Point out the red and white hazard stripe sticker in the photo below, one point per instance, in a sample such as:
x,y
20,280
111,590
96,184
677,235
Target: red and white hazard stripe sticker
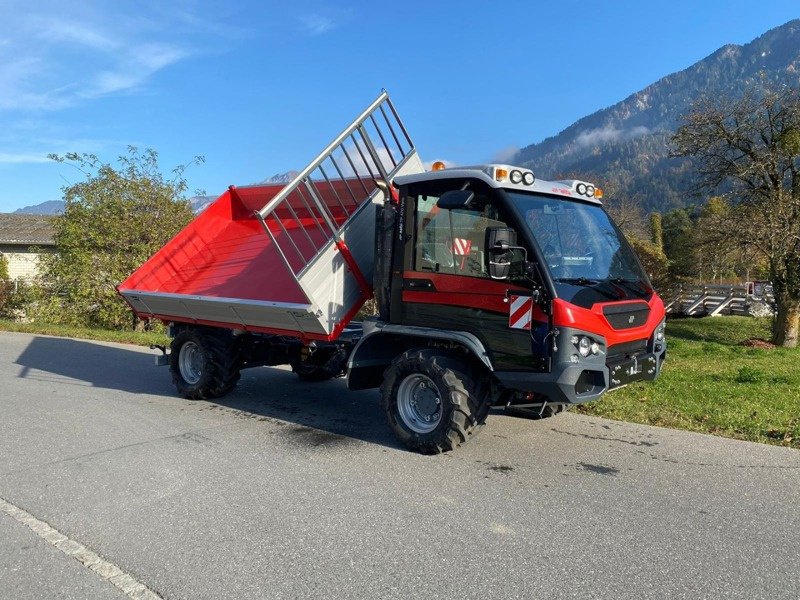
x,y
520,312
461,246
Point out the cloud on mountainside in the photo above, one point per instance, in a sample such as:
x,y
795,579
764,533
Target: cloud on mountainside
x,y
505,155
609,134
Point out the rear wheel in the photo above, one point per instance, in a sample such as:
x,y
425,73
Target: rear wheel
x,y
204,365
433,402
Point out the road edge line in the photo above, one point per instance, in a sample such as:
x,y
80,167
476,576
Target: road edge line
x,y
91,560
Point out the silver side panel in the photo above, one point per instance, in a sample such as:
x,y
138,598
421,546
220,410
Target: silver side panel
x,y
234,311
327,281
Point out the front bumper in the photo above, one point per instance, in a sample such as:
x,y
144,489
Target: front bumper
x,y
638,367
589,378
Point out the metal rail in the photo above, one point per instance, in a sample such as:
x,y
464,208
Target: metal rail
x,y
310,212
716,300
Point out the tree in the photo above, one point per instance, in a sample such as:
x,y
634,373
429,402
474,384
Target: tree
x,y
679,242
657,231
112,222
713,247
6,286
750,149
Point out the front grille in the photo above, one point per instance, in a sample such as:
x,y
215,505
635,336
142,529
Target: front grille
x,y
626,316
634,347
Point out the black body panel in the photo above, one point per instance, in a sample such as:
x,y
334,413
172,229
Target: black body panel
x,y
510,349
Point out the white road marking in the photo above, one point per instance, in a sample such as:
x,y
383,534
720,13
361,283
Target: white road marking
x,y
92,561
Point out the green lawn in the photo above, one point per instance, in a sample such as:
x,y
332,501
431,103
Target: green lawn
x,y
711,383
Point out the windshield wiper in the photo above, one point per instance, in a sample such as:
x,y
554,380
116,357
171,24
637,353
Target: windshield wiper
x,y
635,284
577,280
598,285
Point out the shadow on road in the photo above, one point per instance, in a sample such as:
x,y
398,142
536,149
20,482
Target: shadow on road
x,y
76,362
328,406
263,393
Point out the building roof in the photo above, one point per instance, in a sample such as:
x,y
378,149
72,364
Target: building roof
x,y
31,230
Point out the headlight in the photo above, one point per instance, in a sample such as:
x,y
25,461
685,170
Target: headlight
x,y
659,333
516,176
585,345
529,178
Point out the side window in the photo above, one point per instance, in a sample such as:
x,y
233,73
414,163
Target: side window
x,y
451,241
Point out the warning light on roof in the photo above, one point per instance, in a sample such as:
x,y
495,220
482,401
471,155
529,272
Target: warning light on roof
x,y
437,166
500,174
598,193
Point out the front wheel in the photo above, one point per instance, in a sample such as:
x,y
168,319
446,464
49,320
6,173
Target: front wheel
x,y
433,402
204,365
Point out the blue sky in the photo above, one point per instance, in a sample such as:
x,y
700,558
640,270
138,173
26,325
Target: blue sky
x,y
259,87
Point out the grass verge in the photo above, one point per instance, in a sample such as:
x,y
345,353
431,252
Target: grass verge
x,y
141,338
713,384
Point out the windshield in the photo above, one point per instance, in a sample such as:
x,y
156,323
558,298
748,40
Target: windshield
x,y
578,241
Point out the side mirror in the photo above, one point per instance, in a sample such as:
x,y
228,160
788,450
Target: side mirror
x,y
455,199
500,243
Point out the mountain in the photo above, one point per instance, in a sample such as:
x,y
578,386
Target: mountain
x,y
51,207
199,203
627,145
281,177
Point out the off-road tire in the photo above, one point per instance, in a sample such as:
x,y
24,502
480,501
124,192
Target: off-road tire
x,y
463,393
219,370
535,414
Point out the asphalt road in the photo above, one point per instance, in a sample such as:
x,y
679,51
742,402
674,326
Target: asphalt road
x,y
292,490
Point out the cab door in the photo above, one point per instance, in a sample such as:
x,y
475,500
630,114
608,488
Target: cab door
x,y
446,283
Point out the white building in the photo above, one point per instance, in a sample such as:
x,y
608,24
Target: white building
x,y
23,239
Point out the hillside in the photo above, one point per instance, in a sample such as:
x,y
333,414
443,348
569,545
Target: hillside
x,y
626,146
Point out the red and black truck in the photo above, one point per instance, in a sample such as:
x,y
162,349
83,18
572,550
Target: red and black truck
x,y
493,288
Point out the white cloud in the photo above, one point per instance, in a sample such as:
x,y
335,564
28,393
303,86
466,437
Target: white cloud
x,y
134,69
317,24
55,31
52,59
609,134
7,158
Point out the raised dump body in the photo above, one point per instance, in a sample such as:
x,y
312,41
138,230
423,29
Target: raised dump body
x,y
295,259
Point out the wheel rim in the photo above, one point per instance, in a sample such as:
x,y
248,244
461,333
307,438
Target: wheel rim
x,y
419,403
190,362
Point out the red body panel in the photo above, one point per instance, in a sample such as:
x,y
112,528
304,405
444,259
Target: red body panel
x,y
593,320
471,292
223,253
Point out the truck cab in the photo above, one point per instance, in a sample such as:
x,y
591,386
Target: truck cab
x,y
534,273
